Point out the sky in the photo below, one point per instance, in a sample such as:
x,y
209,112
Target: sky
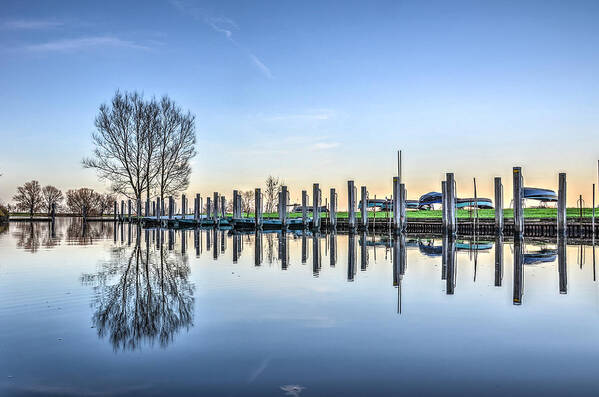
x,y
312,91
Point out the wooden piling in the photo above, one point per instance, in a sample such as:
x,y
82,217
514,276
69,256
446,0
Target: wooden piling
x,y
258,207
171,207
208,208
364,207
304,208
235,205
593,219
223,207
333,208
115,214
183,205
561,205
215,208
122,216
129,210
138,210
498,205
518,197
351,206
450,187
444,204
316,200
402,207
283,201
158,208
396,209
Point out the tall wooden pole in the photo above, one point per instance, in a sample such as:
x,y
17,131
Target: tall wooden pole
x,y
561,205
333,208
518,211
498,205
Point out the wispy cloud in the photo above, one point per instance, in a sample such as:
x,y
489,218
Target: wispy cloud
x,y
30,24
325,145
82,43
322,114
225,26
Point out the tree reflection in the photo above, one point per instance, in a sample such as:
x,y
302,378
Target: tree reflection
x,y
142,295
27,236
85,233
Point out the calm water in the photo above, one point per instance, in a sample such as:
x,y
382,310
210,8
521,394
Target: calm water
x,y
117,311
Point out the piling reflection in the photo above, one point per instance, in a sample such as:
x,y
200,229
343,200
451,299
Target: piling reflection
x,y
332,248
316,254
498,259
518,272
142,295
449,254
562,265
351,256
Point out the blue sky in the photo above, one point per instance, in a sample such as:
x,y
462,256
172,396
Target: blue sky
x,y
312,91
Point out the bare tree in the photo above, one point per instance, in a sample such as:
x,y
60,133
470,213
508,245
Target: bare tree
x,y
272,189
247,201
84,197
120,155
29,197
176,147
106,203
51,195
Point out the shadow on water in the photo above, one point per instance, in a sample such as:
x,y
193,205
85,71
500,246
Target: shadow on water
x,y
143,293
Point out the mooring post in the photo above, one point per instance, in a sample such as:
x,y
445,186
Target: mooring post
x,y
498,205
316,206
215,208
158,208
518,211
258,207
196,207
562,225
115,214
351,206
154,208
235,208
304,208
396,210
333,209
364,207
183,206
208,208
403,224
223,207
138,210
444,205
122,215
171,207
129,210
450,187
283,200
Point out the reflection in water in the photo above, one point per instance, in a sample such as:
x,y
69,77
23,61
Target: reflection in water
x,y
333,248
449,253
283,250
498,259
562,265
258,248
316,254
363,251
518,273
141,295
351,256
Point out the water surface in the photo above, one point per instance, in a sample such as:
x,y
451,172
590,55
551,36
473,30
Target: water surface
x,y
108,310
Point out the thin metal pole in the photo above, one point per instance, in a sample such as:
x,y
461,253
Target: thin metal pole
x,y
593,220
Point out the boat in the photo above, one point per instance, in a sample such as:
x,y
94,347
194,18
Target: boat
x,y
535,193
541,256
480,203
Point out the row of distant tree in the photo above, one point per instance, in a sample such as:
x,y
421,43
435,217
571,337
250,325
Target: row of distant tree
x,y
32,198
